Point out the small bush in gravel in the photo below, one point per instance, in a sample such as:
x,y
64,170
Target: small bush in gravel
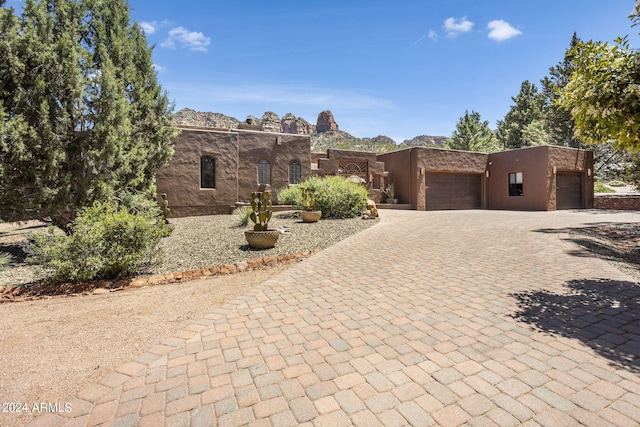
x,y
334,196
107,242
242,215
5,260
616,183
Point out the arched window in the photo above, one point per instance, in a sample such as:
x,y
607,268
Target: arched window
x,y
207,172
264,172
294,172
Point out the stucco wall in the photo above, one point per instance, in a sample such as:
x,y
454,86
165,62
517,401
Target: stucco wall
x,y
537,184
279,149
574,160
181,178
397,163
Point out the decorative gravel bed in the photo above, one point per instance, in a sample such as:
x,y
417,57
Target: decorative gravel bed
x,y
202,241
206,241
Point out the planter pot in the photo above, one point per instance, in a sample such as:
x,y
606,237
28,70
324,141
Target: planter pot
x,y
392,201
262,239
310,216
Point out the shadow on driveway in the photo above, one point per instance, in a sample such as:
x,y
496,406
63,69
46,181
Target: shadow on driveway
x,y
604,314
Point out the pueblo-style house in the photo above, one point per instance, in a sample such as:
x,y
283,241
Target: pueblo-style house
x,y
213,169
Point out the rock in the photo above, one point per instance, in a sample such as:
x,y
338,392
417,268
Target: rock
x,y
188,117
326,122
296,125
270,122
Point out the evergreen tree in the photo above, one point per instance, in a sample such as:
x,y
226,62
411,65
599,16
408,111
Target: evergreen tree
x,y
527,108
559,123
82,114
472,134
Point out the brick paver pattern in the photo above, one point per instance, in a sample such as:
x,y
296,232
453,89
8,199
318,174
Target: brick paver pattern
x,y
427,318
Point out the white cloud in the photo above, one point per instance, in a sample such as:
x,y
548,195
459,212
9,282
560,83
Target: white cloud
x,y
184,38
433,35
501,30
149,27
159,68
453,27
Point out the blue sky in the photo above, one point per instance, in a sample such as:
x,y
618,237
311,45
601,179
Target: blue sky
x,y
401,69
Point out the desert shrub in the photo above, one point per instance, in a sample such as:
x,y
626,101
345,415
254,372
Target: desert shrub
x,y
242,215
5,260
289,195
334,195
616,183
107,242
599,187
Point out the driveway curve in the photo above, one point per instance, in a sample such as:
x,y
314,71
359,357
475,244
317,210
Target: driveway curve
x,y
427,318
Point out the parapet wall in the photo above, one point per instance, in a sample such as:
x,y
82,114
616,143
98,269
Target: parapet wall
x,y
620,203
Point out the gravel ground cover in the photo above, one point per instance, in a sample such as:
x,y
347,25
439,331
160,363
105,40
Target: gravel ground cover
x,y
206,241
197,242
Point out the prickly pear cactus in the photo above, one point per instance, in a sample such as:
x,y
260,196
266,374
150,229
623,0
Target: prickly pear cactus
x,y
261,210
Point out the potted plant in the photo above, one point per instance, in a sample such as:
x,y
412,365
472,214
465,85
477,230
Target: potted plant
x,y
261,237
308,202
390,192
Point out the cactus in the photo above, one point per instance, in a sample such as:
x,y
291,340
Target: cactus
x,y
308,198
261,210
165,208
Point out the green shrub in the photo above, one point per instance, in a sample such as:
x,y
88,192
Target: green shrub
x,y
599,187
242,215
616,183
334,196
107,242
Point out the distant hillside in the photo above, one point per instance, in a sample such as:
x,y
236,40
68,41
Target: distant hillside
x,y
325,134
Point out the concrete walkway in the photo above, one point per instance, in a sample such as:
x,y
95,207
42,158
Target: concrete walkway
x,y
428,318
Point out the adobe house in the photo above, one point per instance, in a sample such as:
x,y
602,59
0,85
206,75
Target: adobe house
x,y
533,178
212,169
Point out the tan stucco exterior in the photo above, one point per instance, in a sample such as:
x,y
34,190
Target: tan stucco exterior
x,y
424,178
236,153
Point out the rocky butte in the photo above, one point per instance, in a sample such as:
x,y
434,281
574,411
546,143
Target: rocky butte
x,y
324,134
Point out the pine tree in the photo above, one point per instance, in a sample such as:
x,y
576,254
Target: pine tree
x,y
527,108
83,116
472,134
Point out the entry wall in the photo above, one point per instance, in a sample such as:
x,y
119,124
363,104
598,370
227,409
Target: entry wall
x,y
400,168
181,179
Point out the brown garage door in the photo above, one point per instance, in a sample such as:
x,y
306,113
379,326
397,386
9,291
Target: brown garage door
x,y
569,191
453,191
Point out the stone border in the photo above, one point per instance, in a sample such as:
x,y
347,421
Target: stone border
x,y
12,293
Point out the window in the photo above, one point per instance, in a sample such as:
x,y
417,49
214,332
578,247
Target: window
x,y
294,172
515,184
207,172
264,172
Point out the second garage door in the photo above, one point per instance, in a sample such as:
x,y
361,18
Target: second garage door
x,y
569,191
453,191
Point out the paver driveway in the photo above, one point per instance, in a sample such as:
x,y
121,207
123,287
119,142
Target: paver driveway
x,y
428,318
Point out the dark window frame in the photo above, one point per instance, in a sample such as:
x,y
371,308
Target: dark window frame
x,y
515,184
264,176
295,175
207,177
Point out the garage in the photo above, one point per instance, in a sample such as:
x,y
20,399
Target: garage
x,y
569,191
453,191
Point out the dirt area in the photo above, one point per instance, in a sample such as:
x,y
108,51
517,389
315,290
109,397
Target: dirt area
x,y
51,348
619,244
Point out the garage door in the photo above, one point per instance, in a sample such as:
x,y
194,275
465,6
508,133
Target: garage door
x,y
569,191
453,191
